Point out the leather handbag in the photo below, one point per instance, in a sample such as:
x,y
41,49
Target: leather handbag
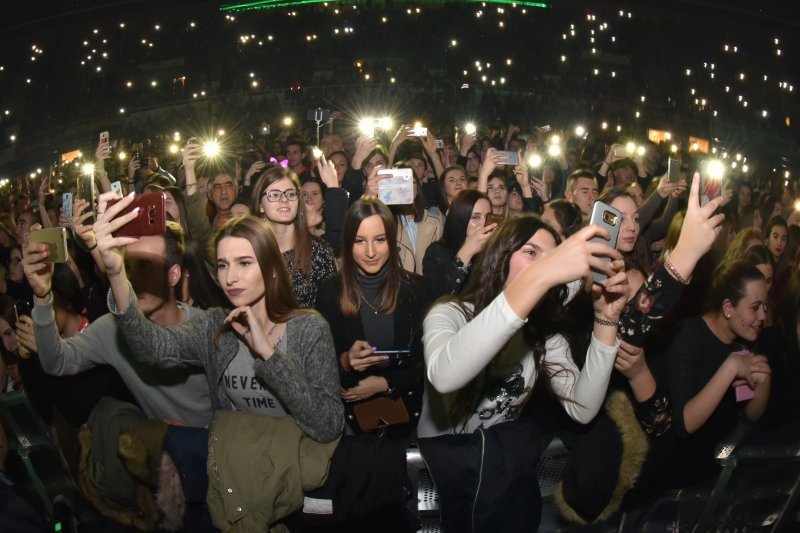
x,y
379,412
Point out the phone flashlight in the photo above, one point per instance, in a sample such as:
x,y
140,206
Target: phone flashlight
x,y
317,152
630,147
535,160
469,128
211,148
554,150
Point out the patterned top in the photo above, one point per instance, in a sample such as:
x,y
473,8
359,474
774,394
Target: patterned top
x,y
323,266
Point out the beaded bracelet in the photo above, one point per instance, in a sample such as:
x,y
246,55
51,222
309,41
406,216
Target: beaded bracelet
x,y
675,274
604,322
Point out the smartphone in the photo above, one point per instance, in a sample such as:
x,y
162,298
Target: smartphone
x,y
22,308
117,188
440,144
493,218
419,132
609,218
397,358
744,392
103,137
508,157
86,191
674,169
66,201
543,129
397,188
152,219
711,180
56,241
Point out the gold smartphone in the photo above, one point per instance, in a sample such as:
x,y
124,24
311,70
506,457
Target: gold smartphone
x,y
56,240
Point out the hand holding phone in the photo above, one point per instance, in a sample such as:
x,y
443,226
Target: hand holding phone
x,y
610,219
674,169
396,186
395,358
56,241
493,218
151,220
507,157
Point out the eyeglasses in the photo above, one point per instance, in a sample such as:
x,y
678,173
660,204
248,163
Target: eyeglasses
x,y
275,195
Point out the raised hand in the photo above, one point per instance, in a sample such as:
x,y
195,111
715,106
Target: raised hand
x,y
700,229
38,272
84,231
327,172
364,145
112,249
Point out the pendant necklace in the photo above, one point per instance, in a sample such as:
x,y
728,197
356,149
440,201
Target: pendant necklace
x,y
368,304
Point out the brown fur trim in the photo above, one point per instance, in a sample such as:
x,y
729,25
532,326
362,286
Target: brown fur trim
x,y
634,451
170,498
145,518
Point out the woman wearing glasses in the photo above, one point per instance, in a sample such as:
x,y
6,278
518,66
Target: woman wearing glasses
x,y
308,259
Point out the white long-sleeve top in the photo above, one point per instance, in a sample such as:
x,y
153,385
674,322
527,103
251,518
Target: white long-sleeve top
x,y
457,350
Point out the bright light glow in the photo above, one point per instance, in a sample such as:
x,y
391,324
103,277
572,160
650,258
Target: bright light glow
x,y
287,121
579,131
211,148
385,123
555,139
176,136
88,169
604,125
316,152
640,150
630,147
715,169
122,156
367,126
745,168
674,148
554,150
535,161
469,128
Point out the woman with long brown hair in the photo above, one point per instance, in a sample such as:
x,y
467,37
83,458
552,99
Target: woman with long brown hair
x,y
265,356
309,260
372,305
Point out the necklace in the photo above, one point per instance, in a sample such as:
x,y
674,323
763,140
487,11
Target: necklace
x,y
368,304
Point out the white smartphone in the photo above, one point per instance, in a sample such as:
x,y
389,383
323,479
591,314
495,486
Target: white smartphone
x,y
397,188
103,137
440,144
117,188
66,201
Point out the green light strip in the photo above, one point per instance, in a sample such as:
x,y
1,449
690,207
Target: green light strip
x,y
270,4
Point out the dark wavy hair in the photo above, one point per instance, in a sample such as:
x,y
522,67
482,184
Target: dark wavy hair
x,y
455,231
487,282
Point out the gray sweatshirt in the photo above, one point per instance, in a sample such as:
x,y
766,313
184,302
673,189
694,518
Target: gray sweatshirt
x,y
304,376
180,393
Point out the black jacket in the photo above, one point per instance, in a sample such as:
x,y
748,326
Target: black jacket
x,y
439,266
406,381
